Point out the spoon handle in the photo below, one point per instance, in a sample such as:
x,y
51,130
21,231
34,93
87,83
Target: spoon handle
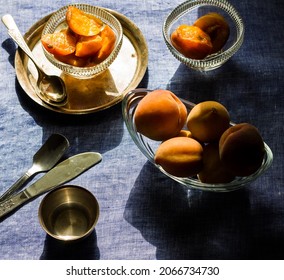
x,y
16,35
16,186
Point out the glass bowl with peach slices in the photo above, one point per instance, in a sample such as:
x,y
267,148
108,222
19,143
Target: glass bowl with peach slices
x,y
221,160
203,34
82,40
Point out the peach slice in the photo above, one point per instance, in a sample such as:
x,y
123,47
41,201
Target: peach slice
x,y
59,43
88,45
108,43
83,23
191,41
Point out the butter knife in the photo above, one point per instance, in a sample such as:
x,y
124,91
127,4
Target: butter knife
x,y
60,174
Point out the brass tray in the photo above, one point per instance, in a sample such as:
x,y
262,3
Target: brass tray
x,y
88,95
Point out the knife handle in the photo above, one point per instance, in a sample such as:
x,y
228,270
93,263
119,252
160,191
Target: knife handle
x,y
12,203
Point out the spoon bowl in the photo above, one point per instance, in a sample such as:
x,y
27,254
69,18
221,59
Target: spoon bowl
x,y
50,89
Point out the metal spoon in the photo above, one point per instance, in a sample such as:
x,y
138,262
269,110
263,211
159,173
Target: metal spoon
x,y
50,89
43,160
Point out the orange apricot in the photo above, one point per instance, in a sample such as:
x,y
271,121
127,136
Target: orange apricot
x,y
108,43
88,45
59,43
180,156
160,115
241,149
191,41
83,23
208,120
214,171
216,27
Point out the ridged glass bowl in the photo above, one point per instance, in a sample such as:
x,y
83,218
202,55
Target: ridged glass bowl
x,y
187,13
58,21
148,148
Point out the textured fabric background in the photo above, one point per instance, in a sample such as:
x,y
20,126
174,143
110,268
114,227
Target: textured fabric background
x,y
145,215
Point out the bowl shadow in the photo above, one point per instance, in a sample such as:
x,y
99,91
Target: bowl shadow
x,y
191,224
86,249
9,46
198,86
100,131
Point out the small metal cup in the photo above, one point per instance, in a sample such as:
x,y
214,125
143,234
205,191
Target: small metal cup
x,y
69,213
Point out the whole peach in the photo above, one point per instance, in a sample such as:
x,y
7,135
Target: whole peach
x,y
207,121
160,115
180,156
214,171
216,27
242,149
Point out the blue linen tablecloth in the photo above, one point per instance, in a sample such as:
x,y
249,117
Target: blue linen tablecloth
x,y
143,214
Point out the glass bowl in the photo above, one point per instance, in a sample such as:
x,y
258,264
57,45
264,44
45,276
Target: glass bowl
x,y
58,21
148,148
187,13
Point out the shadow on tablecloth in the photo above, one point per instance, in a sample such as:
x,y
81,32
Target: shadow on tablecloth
x,y
99,132
185,224
85,249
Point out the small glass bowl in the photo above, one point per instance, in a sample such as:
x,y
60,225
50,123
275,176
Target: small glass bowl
x,y
148,148
58,21
187,13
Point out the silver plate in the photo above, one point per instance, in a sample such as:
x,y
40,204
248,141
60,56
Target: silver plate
x,y
88,95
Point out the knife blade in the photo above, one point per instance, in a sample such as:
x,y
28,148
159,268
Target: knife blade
x,y
60,174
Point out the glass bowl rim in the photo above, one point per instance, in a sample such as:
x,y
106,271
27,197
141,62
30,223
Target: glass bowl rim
x,y
135,96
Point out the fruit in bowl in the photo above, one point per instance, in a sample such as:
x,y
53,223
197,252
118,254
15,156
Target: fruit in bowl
x,y
82,40
180,156
207,121
203,144
214,171
82,23
85,42
212,175
206,36
216,26
242,149
218,20
160,115
191,41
